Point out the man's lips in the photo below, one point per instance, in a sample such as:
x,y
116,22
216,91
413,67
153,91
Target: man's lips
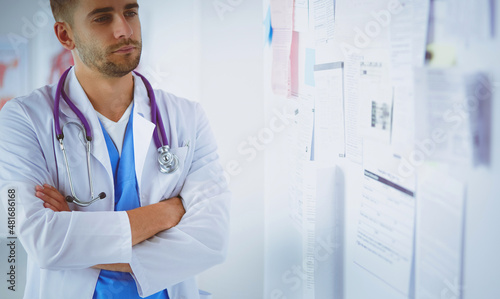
x,y
125,49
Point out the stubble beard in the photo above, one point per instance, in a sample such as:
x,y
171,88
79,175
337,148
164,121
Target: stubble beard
x,y
97,58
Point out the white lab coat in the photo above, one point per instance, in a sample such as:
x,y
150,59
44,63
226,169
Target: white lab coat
x,y
63,246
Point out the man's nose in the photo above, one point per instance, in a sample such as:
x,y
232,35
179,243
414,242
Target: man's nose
x,y
122,28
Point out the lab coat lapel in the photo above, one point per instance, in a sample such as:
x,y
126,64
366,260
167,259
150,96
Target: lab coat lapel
x,y
143,133
78,96
143,127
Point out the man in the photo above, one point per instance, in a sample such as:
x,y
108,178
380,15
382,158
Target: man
x,y
153,231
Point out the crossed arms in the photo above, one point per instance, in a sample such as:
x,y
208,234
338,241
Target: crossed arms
x,y
145,222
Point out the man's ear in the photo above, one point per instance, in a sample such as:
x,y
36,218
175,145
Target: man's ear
x,y
64,35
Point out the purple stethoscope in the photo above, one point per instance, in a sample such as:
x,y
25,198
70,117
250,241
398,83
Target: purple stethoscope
x,y
167,161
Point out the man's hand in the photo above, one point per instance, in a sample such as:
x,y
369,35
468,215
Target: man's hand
x,y
175,210
52,198
147,221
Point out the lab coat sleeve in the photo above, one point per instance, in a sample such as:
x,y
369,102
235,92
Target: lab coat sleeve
x,y
62,240
200,240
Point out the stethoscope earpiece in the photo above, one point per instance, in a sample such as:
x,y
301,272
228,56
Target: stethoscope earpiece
x,y
168,162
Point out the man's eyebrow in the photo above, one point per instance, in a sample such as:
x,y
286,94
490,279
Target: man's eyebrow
x,y
132,5
99,10
109,9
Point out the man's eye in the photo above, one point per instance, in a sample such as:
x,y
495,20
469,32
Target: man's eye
x,y
101,19
131,14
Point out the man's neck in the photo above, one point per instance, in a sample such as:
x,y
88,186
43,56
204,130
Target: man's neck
x,y
109,96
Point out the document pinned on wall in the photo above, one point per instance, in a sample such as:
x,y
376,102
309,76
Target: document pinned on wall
x,y
377,98
443,124
268,27
324,21
302,192
302,187
439,234
294,76
309,228
301,16
354,140
385,232
329,126
321,191
401,41
300,140
282,22
408,33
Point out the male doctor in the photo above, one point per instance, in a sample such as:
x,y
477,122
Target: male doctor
x,y
154,231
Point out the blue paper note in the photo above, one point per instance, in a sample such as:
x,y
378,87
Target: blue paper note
x,y
268,28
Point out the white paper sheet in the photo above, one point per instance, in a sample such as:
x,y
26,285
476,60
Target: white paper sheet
x,y
309,228
329,127
408,32
386,221
301,16
384,241
442,129
439,235
354,141
376,98
324,21
282,22
321,230
300,140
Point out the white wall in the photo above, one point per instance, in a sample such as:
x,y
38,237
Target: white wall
x,y
216,57
232,94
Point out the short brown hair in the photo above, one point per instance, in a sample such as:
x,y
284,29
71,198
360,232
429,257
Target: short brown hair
x,y
63,10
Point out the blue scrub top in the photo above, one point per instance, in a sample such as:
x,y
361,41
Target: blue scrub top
x,y
119,284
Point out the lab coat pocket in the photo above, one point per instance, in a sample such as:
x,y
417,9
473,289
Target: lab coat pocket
x,y
170,184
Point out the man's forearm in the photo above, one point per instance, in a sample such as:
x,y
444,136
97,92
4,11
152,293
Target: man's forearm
x,y
145,222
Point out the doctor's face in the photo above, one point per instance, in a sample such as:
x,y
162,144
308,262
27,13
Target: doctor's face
x,y
107,35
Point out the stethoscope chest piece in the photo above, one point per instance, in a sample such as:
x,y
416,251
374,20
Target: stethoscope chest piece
x,y
168,162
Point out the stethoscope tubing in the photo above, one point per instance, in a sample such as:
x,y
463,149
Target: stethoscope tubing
x,y
155,114
168,162
60,92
